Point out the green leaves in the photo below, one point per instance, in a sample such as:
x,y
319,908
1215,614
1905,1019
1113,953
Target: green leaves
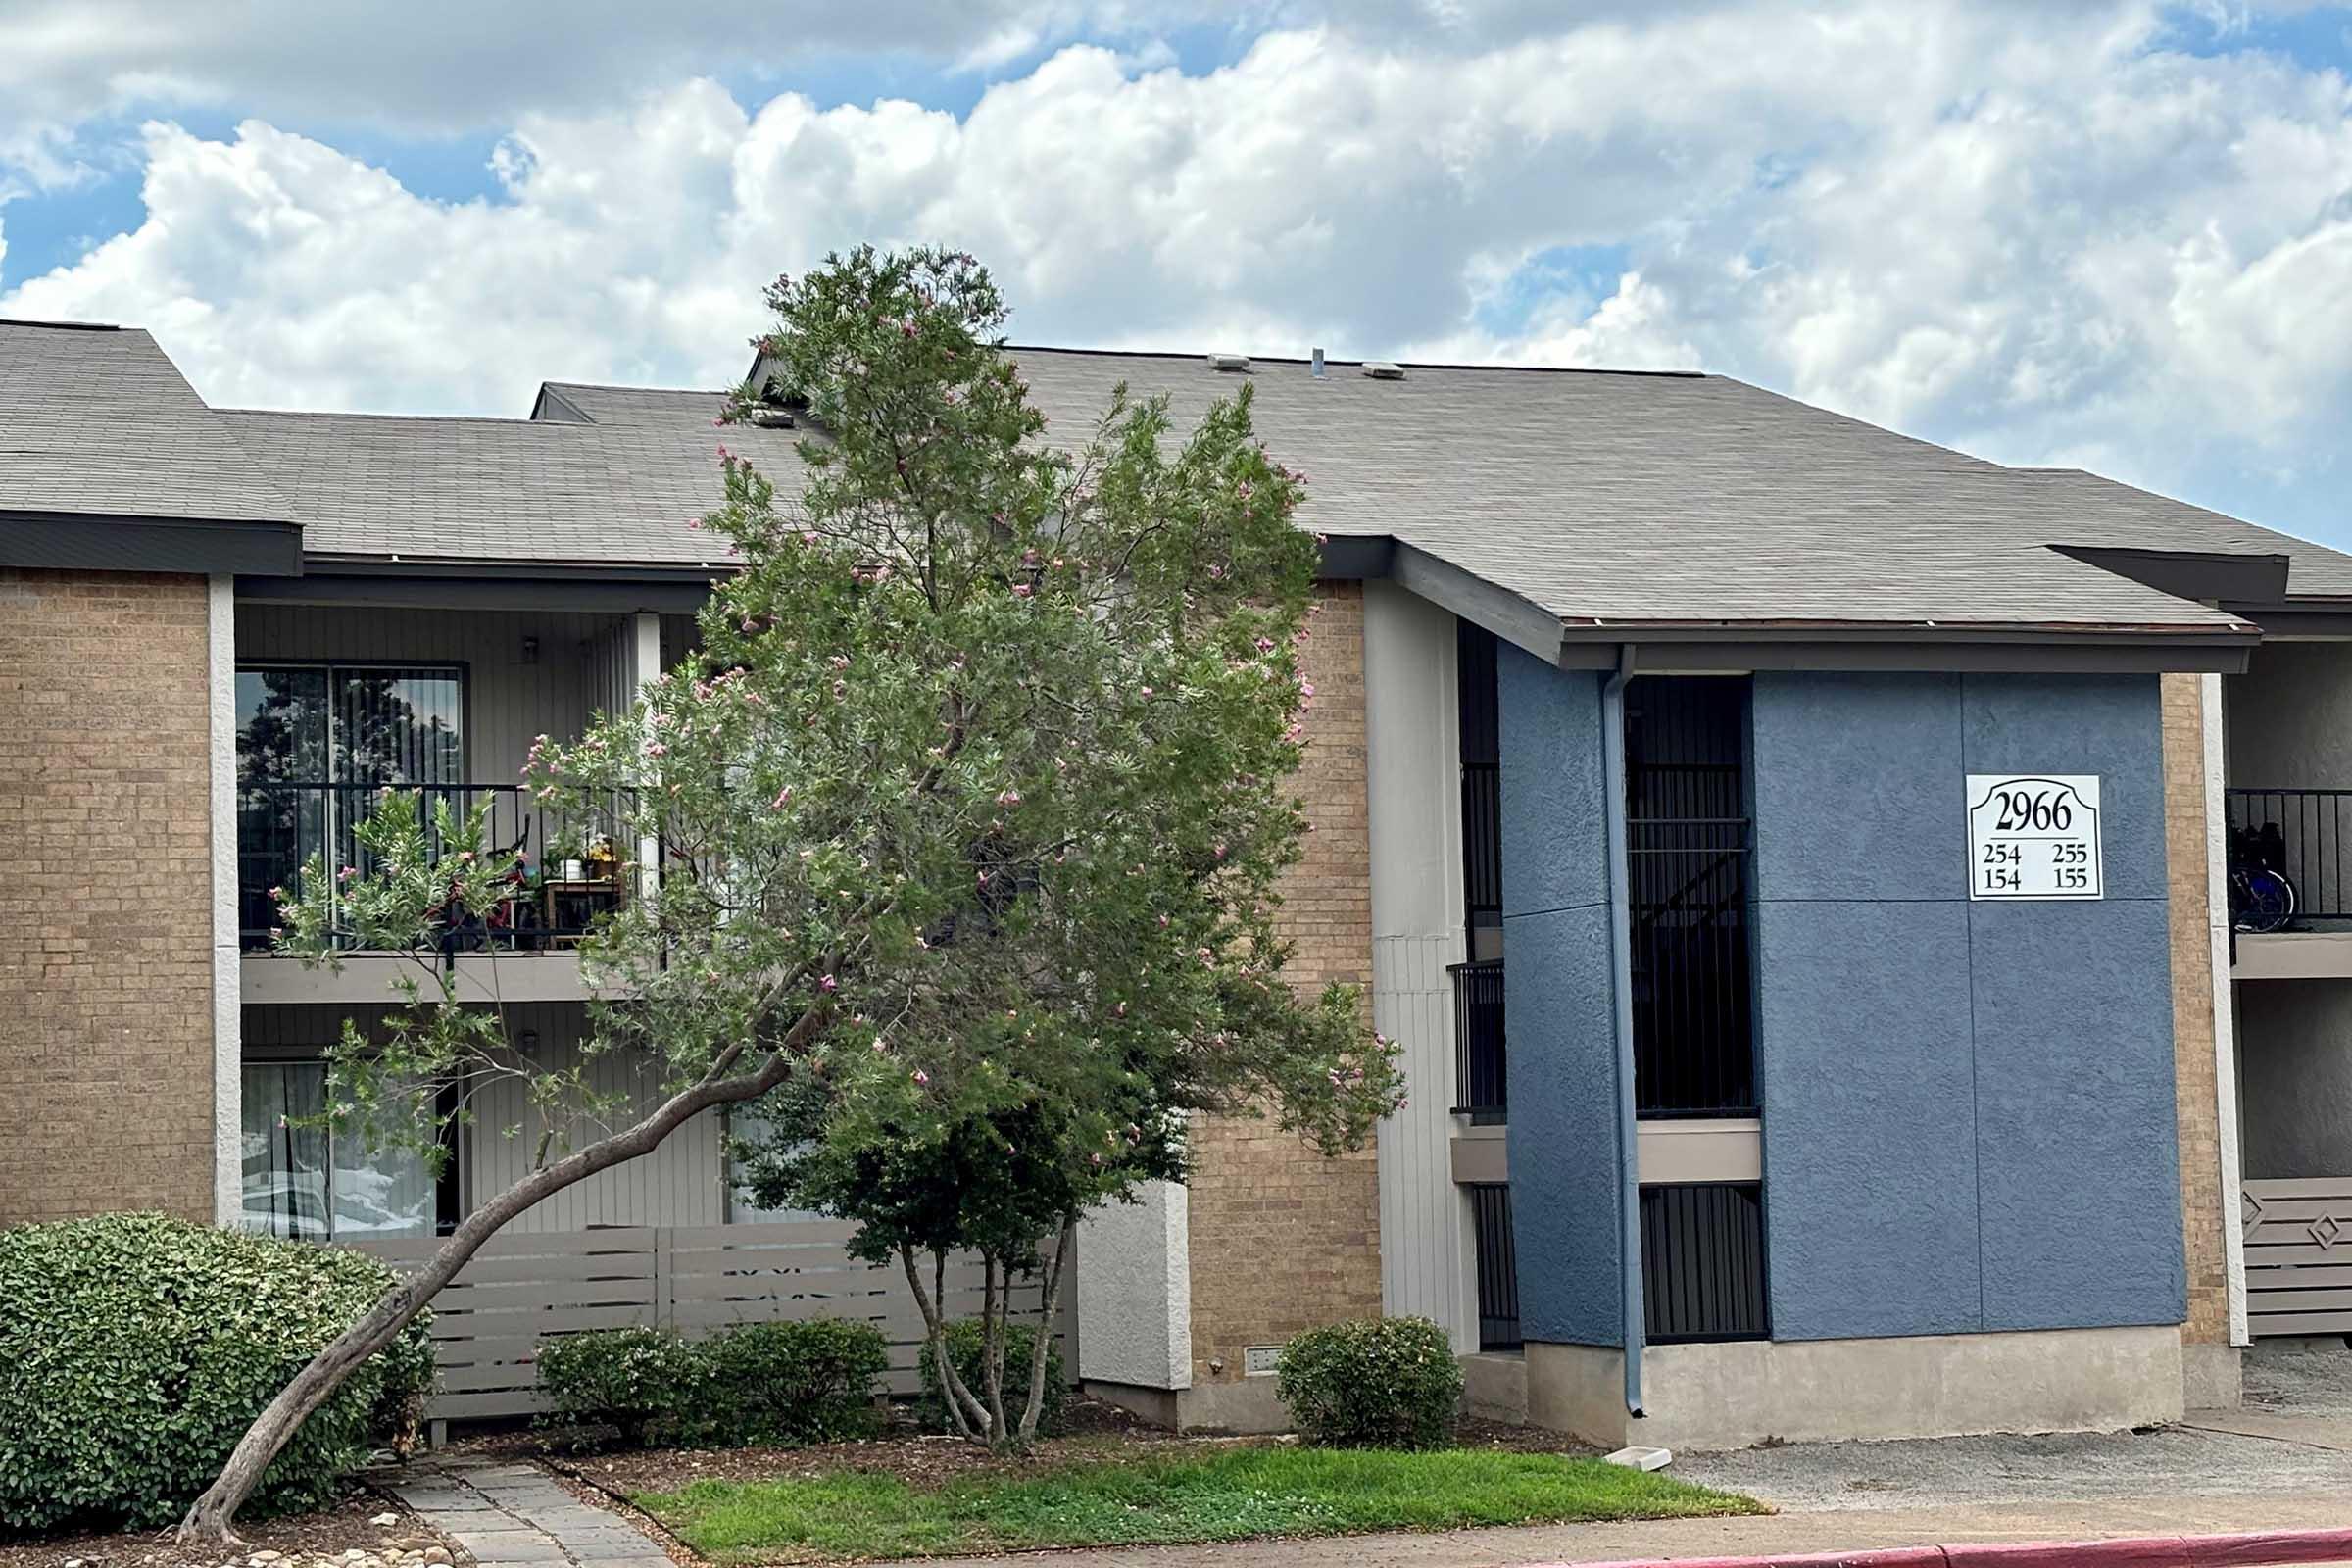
x,y
135,1349
805,1382
1389,1383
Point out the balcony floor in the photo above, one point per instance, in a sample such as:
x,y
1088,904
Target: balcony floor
x,y
367,977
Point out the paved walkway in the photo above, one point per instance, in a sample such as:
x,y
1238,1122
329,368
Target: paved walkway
x,y
507,1515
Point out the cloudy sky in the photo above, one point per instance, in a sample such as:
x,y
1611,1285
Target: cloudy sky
x,y
2104,233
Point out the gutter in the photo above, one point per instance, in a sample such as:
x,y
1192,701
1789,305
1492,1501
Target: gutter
x,y
1621,987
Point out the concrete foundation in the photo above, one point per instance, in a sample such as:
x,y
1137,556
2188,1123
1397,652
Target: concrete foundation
x,y
1736,1395
1246,1405
2212,1377
1495,1387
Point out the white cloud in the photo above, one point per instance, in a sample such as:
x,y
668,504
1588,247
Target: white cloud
x,y
2039,233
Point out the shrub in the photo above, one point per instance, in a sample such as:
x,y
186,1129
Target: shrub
x,y
758,1383
640,1380
966,1339
136,1349
811,1381
1386,1382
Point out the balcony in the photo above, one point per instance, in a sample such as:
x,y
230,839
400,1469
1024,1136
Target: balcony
x,y
1481,1076
547,909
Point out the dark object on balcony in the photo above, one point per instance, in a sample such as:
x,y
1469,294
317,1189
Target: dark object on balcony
x,y
1481,1067
2290,856
1498,1266
1702,1262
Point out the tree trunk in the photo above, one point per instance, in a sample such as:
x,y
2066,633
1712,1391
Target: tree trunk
x,y
1042,1341
209,1519
964,1410
992,1344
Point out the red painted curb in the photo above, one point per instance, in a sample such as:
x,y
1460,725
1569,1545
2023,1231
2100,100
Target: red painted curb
x,y
2252,1549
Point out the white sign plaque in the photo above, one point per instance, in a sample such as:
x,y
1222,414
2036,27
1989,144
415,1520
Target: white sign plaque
x,y
2034,836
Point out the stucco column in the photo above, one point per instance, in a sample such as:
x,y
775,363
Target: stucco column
x,y
227,972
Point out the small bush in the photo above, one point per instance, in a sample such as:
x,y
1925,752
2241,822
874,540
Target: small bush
x,y
136,1349
640,1380
966,1341
758,1383
1382,1383
811,1381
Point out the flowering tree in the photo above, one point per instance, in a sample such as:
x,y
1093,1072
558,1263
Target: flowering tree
x,y
973,805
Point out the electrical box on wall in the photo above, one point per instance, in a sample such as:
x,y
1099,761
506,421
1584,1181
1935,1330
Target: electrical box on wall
x,y
1261,1361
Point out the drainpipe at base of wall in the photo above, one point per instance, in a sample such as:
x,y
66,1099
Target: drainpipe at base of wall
x,y
1621,985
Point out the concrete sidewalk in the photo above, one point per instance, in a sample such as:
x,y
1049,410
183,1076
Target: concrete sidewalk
x,y
1781,1533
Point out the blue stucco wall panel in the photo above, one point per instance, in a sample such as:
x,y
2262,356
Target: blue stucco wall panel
x,y
2078,1152
1870,1149
1558,1004
1968,1107
1554,846
2110,725
1563,1142
1857,786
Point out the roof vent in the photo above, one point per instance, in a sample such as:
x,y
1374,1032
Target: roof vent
x,y
767,417
1384,371
1229,362
1317,372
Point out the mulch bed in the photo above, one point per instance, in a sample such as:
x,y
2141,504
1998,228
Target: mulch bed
x,y
300,1541
1094,1430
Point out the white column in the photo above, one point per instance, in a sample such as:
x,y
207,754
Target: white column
x,y
2225,1017
1134,1286
1412,745
228,965
645,662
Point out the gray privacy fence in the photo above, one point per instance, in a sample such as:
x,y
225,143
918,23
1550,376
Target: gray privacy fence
x,y
519,1289
2298,1236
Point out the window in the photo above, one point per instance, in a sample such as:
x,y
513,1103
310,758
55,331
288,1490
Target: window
x,y
312,1184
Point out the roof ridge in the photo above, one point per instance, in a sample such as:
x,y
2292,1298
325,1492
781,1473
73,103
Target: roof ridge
x,y
67,326
1410,365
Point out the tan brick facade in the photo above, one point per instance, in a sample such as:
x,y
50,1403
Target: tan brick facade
x,y
1282,1238
2192,1011
106,1021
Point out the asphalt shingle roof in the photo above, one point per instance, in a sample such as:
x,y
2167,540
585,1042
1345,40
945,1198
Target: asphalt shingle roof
x,y
1606,499
95,421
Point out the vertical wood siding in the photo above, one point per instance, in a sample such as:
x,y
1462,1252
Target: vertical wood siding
x,y
508,702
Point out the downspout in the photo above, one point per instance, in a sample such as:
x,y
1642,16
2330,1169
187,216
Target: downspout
x,y
1621,986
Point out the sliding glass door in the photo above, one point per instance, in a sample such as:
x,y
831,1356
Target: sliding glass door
x,y
312,741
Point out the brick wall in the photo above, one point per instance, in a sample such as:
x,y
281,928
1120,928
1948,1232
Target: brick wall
x,y
1282,1238
2192,1011
106,1047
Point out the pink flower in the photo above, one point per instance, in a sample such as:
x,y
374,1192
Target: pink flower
x,y
828,985
1147,691
1009,798
919,1076
809,538
1306,687
279,894
657,749
783,795
1021,590
881,1046
349,873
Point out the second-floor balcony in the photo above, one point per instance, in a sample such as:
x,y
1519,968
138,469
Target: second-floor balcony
x,y
547,903
1481,1075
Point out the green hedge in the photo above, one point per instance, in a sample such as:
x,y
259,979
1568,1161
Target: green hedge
x,y
965,1342
136,1349
809,1381
1382,1383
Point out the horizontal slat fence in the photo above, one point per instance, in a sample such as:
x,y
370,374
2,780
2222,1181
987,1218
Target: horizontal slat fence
x,y
519,1289
2298,1236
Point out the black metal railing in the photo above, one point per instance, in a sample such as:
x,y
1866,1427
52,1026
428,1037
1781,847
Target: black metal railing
x,y
1498,1266
1481,1064
1482,842
1694,1002
2304,836
281,826
1702,1262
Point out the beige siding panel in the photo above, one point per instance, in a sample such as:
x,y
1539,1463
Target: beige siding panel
x,y
2298,1242
680,1183
508,702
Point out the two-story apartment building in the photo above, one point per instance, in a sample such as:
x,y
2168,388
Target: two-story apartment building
x,y
1789,854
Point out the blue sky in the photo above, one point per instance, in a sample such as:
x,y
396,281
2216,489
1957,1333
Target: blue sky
x,y
2111,233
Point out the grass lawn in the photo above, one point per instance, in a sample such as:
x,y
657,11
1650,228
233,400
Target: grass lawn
x,y
1227,1493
